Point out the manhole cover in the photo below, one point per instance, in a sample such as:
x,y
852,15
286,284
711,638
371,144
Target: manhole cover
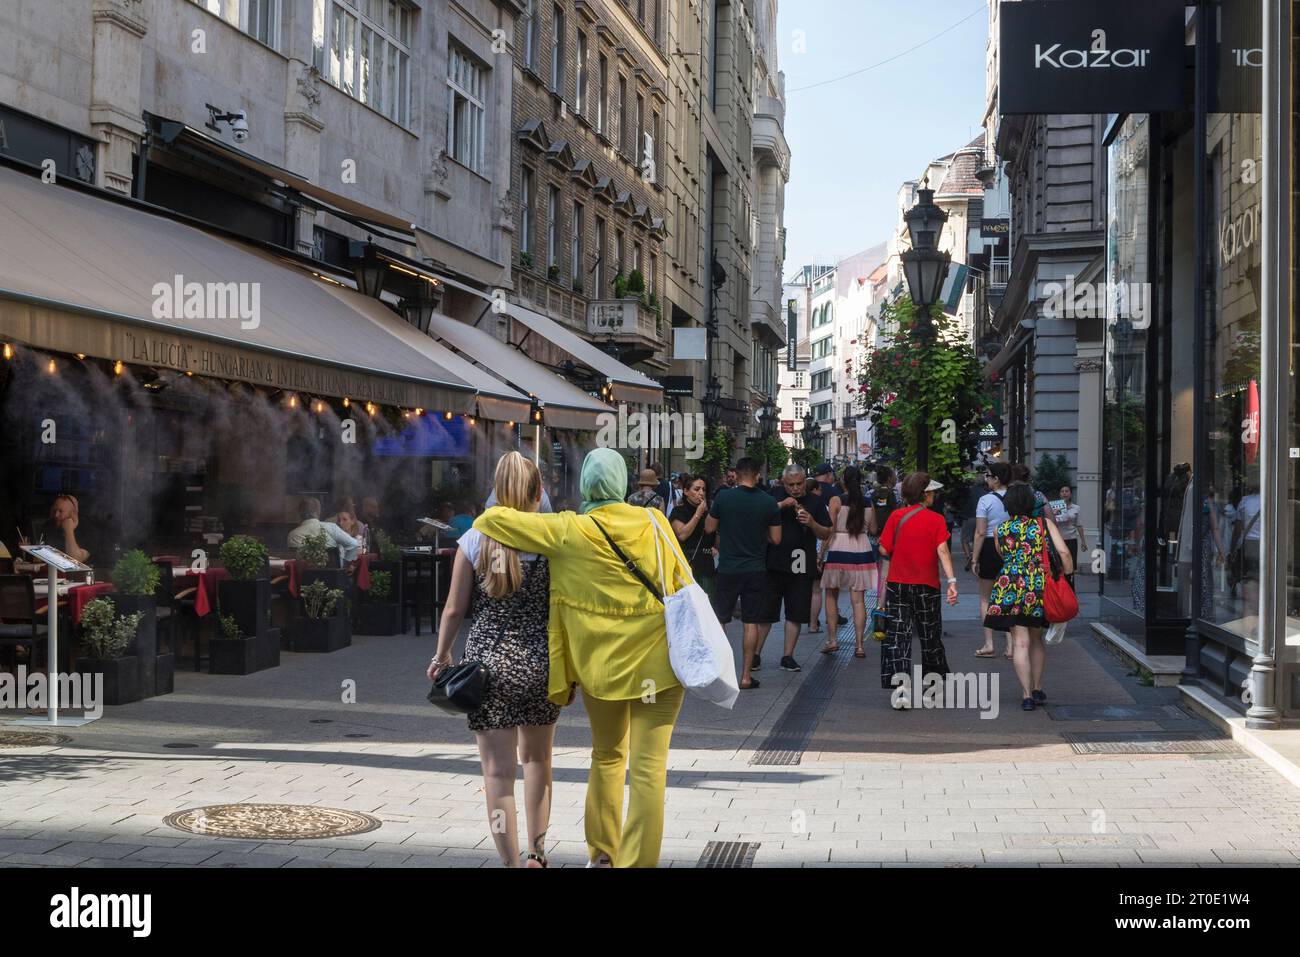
x,y
281,822
728,854
1146,742
32,739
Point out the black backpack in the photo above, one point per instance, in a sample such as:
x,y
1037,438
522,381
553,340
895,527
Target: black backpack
x,y
883,502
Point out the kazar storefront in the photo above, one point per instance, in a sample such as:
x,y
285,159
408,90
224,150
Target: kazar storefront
x,y
1200,449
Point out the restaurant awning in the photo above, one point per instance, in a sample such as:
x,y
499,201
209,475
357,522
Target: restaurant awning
x,y
459,260
565,405
628,384
496,400
80,273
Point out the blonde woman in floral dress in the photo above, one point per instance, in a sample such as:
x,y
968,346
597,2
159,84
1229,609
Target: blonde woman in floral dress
x,y
1016,602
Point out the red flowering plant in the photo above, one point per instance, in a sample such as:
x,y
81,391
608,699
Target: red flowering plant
x,y
939,381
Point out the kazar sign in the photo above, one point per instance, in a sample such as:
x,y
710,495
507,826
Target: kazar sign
x,y
1103,56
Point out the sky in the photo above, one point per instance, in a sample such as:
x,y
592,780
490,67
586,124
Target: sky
x,y
854,142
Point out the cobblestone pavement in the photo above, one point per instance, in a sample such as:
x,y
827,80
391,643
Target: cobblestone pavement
x,y
863,785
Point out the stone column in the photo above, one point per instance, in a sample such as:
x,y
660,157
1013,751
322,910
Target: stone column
x,y
119,26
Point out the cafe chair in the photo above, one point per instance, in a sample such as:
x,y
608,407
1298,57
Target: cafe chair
x,y
183,612
20,623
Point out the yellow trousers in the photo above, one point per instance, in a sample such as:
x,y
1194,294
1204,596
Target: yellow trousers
x,y
639,731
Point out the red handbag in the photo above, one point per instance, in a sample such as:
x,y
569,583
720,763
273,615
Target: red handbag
x,y
1060,603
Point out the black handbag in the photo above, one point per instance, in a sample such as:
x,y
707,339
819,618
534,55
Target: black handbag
x,y
460,688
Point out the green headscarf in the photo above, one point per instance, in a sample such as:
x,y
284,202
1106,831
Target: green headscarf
x,y
604,479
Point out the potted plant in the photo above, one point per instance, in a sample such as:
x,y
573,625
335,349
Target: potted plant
x,y
379,613
323,625
107,637
620,286
635,284
577,286
553,273
247,593
526,260
135,583
234,653
314,553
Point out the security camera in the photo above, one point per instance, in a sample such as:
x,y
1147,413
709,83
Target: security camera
x,y
239,126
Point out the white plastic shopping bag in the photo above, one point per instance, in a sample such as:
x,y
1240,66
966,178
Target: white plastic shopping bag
x,y
698,649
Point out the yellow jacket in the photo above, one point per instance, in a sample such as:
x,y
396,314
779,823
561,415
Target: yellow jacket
x,y
606,630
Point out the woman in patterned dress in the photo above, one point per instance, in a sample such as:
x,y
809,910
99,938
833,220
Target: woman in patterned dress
x,y
1016,602
511,599
849,562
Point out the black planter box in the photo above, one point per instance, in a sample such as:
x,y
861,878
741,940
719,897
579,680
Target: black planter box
x,y
376,618
332,577
394,569
321,634
145,643
232,656
268,649
164,674
249,602
121,677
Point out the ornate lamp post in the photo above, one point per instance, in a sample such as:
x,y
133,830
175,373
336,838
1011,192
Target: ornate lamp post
x,y
811,432
925,268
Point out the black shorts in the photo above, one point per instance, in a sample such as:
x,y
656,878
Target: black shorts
x,y
989,564
754,589
794,592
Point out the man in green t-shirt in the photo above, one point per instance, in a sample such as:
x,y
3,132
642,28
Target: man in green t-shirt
x,y
746,519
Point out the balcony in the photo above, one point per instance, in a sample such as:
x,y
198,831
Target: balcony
x,y
767,323
550,298
631,326
999,274
770,146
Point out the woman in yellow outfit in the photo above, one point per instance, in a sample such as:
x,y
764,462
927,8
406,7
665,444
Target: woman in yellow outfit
x,y
607,636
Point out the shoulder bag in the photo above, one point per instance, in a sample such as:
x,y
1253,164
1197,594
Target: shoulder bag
x,y
698,650
460,688
1060,604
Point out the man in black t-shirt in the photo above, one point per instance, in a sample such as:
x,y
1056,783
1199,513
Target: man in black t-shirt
x,y
793,563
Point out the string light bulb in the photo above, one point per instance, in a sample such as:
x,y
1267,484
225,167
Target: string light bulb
x,y
9,351
447,416
370,408
347,403
117,367
81,356
419,411
293,402
52,366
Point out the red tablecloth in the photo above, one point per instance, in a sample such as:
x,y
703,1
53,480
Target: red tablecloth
x,y
363,572
76,599
205,583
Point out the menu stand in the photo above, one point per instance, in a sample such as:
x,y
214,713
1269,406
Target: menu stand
x,y
56,561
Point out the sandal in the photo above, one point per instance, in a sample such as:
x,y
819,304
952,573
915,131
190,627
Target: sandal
x,y
859,653
829,649
991,653
533,856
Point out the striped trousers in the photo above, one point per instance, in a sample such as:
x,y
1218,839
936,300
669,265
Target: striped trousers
x,y
911,608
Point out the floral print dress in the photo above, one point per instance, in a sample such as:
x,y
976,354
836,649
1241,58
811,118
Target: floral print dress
x,y
1017,597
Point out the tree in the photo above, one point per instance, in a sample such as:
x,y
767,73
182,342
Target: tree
x,y
717,452
939,381
809,458
1052,474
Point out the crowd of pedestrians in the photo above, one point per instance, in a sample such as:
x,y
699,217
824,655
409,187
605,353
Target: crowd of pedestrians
x,y
565,602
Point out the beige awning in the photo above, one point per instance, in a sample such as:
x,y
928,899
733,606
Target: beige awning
x,y
462,261
496,400
628,384
565,405
83,273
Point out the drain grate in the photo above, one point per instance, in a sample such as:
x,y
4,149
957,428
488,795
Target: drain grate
x,y
728,854
1107,712
785,743
32,739
321,721
1148,742
178,745
357,734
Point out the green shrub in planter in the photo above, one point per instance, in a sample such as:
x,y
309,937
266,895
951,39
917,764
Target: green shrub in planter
x,y
230,628
319,600
387,548
315,550
635,283
244,557
136,574
381,586
107,634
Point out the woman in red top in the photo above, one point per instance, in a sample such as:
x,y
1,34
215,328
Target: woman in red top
x,y
916,540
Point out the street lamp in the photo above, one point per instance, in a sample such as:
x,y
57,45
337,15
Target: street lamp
x,y
811,431
712,402
367,267
925,268
419,310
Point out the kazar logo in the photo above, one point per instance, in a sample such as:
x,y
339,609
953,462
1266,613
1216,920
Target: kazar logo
x,y
75,910
1097,57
